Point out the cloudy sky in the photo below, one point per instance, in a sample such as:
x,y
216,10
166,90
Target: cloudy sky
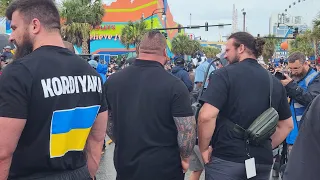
x,y
220,11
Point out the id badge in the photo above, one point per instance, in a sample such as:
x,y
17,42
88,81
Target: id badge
x,y
250,168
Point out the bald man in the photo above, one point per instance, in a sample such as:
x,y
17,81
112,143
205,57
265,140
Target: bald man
x,y
152,122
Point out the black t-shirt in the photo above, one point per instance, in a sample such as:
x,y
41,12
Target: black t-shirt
x,y
143,99
241,92
59,95
304,158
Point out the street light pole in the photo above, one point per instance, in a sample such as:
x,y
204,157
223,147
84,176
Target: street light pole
x,y
244,21
154,12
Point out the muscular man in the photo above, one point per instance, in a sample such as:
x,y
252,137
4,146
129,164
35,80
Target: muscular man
x,y
53,114
152,121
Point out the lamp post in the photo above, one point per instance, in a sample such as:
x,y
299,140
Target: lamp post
x,y
157,11
244,21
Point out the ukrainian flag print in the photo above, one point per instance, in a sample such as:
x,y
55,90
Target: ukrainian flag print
x,y
70,129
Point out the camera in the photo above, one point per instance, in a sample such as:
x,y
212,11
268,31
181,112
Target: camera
x,y
280,76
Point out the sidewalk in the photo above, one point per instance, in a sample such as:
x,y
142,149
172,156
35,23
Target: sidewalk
x,y
107,172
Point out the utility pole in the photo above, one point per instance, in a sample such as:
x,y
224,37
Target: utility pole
x,y
190,19
244,20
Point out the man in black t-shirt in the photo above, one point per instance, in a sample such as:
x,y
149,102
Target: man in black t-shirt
x,y
304,157
240,92
152,121
52,108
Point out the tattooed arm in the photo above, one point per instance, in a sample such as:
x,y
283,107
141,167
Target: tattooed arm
x,y
186,135
110,130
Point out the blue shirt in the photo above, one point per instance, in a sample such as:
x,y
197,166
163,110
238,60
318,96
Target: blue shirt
x,y
201,72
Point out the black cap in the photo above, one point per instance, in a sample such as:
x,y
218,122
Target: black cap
x,y
179,61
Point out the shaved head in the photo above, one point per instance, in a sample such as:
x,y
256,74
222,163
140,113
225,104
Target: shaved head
x,y
153,47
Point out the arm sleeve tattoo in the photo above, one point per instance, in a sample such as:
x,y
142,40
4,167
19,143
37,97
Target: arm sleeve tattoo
x,y
186,134
110,128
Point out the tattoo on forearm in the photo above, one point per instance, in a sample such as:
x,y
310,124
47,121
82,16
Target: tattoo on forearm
x,y
110,127
186,134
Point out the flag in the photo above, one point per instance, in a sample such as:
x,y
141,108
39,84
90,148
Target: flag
x,y
70,129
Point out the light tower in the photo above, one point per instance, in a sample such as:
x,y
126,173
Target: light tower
x,y
234,19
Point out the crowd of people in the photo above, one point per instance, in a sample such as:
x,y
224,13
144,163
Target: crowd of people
x,y
225,119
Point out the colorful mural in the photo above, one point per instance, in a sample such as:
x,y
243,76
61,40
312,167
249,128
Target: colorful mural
x,y
106,38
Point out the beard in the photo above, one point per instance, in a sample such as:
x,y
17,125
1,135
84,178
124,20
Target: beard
x,y
23,49
298,77
234,60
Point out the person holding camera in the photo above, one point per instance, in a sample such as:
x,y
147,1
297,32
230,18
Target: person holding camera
x,y
302,86
239,95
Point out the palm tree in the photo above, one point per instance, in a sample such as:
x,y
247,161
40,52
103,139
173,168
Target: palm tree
x,y
79,17
194,47
210,52
181,45
303,43
132,33
3,6
269,47
316,35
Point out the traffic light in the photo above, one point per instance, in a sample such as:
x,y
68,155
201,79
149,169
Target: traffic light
x,y
179,30
207,26
295,32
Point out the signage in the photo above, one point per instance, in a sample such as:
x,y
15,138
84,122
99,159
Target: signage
x,y
104,36
105,27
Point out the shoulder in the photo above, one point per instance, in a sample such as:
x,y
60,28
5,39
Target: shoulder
x,y
16,68
317,77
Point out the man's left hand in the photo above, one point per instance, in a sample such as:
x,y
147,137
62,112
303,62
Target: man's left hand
x,y
286,81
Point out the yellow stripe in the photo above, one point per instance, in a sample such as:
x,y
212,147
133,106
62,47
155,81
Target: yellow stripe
x,y
133,9
74,140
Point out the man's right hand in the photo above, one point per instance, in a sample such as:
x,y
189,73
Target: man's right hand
x,y
206,155
185,164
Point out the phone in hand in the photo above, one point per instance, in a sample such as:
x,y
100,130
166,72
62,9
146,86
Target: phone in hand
x,y
280,76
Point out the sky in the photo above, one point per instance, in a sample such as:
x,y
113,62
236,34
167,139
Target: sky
x,y
220,11
258,13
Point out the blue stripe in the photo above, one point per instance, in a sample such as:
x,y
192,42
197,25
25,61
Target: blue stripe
x,y
79,118
300,111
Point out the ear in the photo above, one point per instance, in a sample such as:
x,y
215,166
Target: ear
x,y
241,49
35,26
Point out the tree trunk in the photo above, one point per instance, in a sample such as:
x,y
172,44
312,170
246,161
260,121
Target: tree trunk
x,y
85,48
315,47
317,50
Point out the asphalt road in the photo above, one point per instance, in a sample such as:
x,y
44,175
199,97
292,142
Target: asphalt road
x,y
107,171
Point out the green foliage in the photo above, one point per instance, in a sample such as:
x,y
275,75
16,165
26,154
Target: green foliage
x,y
194,47
3,6
82,11
269,47
132,33
80,16
210,52
303,43
182,45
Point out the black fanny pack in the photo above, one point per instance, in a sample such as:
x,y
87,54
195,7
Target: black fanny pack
x,y
262,127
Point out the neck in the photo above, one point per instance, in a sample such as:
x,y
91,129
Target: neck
x,y
151,57
247,57
49,39
307,69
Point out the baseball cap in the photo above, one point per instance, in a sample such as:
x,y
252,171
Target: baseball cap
x,y
93,64
179,60
7,47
